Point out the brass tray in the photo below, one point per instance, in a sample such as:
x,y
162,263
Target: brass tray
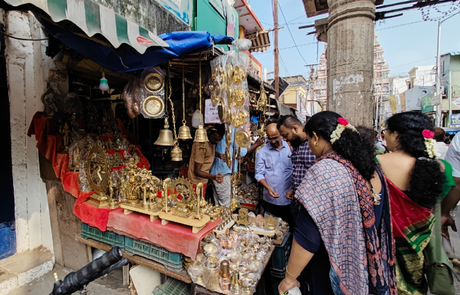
x,y
153,106
154,82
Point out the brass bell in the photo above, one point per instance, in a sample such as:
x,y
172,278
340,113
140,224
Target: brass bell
x,y
166,136
184,132
201,135
176,153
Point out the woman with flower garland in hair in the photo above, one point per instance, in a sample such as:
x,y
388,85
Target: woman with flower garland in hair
x,y
415,181
343,233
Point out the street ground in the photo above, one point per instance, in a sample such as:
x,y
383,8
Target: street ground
x,y
108,285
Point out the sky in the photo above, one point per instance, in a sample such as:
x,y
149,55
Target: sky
x,y
408,41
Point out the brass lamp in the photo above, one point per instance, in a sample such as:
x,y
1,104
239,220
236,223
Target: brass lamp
x,y
166,136
184,130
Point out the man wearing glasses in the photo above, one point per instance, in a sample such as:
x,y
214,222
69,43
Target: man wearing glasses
x,y
274,173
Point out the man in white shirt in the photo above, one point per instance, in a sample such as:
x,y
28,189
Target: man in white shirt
x,y
441,146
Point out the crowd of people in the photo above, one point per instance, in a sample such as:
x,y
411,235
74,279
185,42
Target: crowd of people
x,y
360,207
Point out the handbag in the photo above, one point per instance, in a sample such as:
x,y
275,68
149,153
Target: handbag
x,y
438,268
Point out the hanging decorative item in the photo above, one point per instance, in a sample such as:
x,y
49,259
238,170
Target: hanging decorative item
x,y
154,82
176,152
184,130
153,106
166,137
200,134
152,93
242,138
262,101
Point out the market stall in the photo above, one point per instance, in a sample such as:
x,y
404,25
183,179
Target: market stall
x,y
120,152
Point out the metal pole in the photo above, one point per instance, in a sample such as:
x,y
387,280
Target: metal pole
x,y
275,29
450,99
438,78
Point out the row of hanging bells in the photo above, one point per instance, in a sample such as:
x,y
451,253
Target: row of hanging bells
x,y
166,137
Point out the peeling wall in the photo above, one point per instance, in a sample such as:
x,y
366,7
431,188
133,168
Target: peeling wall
x,y
26,68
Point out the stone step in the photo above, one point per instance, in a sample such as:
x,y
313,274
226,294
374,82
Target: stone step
x,y
22,268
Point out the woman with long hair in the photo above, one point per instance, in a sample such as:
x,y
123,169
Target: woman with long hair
x,y
415,181
343,234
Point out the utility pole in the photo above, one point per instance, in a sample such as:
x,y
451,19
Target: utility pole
x,y
276,50
438,80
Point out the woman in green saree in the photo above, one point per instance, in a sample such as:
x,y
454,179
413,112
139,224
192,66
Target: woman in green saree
x,y
416,179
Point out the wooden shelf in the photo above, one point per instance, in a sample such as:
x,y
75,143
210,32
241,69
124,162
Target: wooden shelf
x,y
182,276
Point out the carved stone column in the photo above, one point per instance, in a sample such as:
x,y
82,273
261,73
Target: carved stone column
x,y
350,59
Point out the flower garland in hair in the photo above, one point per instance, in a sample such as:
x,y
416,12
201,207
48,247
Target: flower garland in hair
x,y
430,144
343,124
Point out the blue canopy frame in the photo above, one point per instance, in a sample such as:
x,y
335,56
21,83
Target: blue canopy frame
x,y
126,58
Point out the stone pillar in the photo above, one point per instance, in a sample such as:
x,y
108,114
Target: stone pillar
x,y
350,59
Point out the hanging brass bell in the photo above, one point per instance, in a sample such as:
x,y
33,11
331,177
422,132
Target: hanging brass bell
x,y
166,136
201,135
184,132
176,153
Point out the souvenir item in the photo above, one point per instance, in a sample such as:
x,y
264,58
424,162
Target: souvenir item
x,y
242,138
153,106
154,82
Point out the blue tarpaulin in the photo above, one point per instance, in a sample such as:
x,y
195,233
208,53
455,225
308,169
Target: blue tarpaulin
x,y
126,58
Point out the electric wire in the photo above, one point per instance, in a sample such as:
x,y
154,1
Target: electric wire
x,y
293,40
284,66
22,39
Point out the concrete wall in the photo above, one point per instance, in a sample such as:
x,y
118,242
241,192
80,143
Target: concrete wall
x,y
147,13
27,68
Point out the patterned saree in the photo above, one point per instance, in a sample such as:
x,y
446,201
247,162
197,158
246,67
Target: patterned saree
x,y
412,226
361,254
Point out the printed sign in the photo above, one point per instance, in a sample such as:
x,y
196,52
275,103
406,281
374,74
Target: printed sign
x,y
211,114
427,103
457,102
455,120
231,19
144,41
182,9
217,4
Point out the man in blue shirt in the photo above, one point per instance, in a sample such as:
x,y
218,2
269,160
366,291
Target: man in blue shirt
x,y
292,131
222,190
274,172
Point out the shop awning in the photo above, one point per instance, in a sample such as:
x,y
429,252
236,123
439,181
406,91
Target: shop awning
x,y
92,18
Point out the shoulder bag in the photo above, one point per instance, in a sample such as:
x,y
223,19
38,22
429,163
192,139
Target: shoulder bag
x,y
438,268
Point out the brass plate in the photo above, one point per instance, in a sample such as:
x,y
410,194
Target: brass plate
x,y
154,82
242,138
153,106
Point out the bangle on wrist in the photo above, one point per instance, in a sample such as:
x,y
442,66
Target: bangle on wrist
x,y
289,274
